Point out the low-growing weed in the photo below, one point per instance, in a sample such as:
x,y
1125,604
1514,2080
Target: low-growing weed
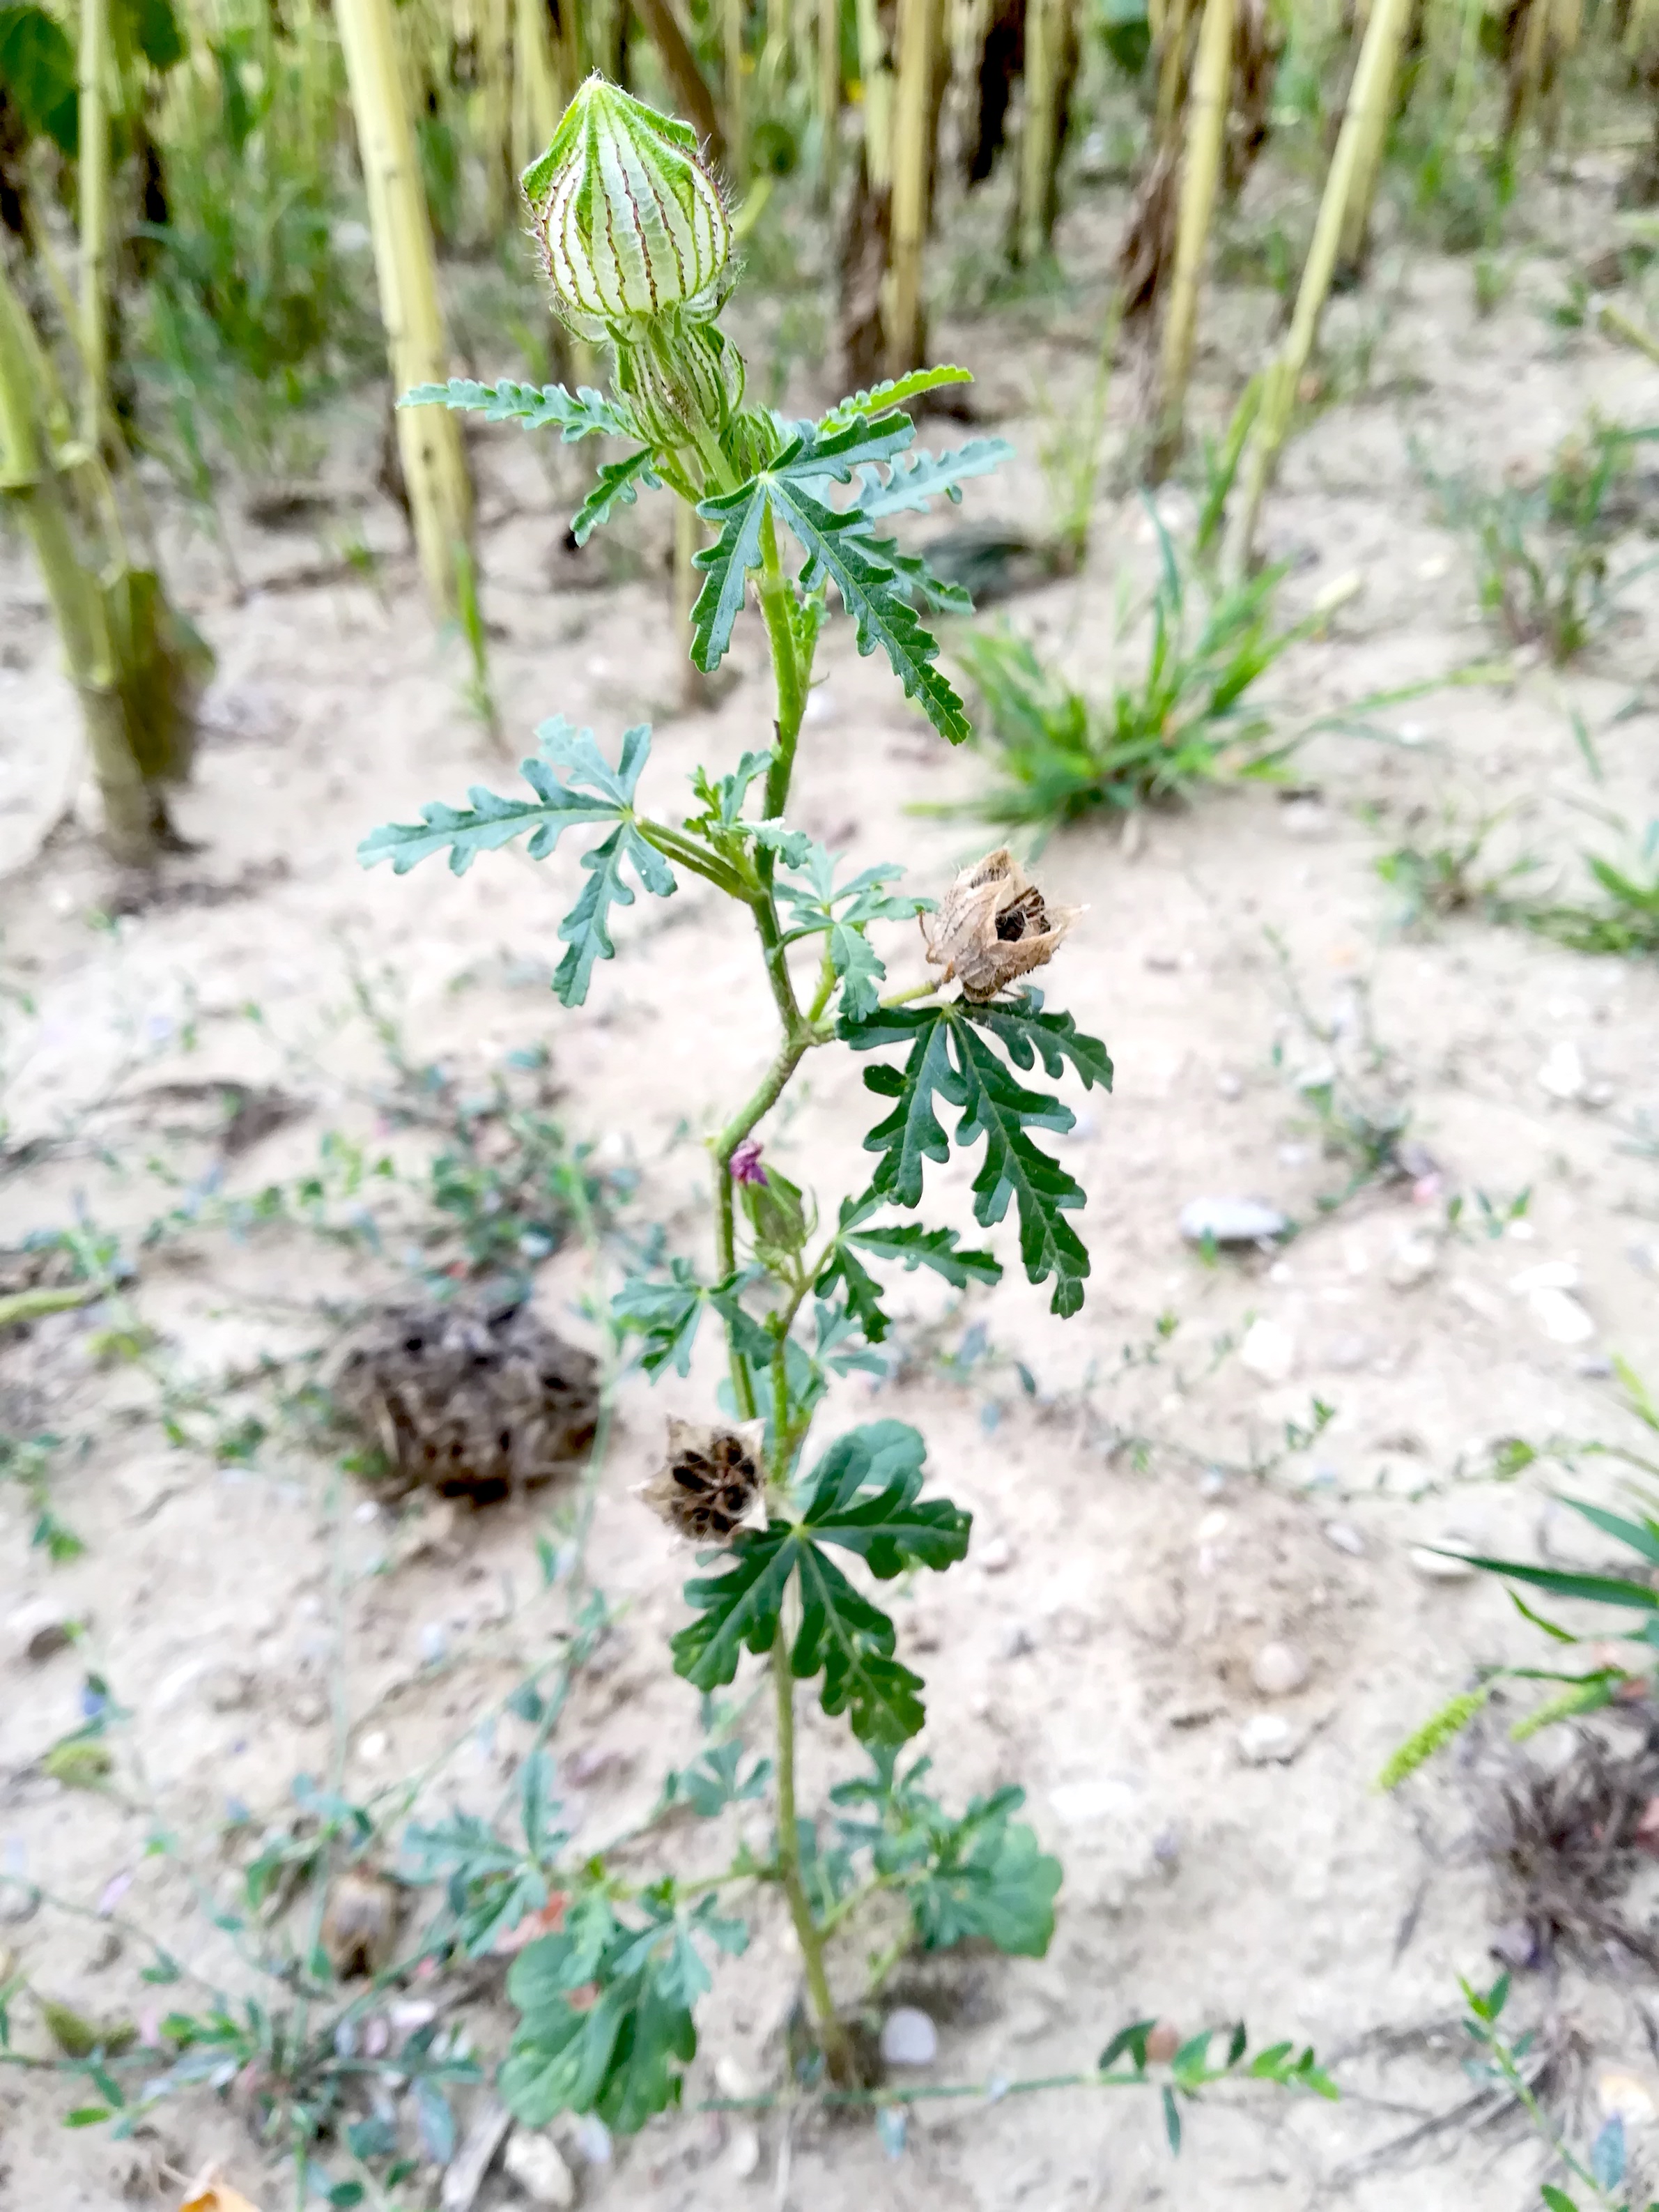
x,y
1612,1678
1189,722
1541,546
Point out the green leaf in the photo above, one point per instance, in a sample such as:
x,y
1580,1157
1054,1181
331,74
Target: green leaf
x,y
157,33
853,960
1604,1589
991,1880
583,414
740,1606
1557,2200
950,1059
916,482
618,486
1641,1536
1132,2040
593,791
892,392
620,2054
1172,2121
37,69
837,544
491,822
851,1642
664,1315
862,1497
585,929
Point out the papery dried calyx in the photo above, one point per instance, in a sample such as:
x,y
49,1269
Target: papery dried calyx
x,y
711,1482
992,926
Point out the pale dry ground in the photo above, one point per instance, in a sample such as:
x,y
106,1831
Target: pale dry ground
x,y
1157,1530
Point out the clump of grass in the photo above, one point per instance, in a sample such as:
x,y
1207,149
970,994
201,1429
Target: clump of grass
x,y
1542,545
1186,722
1440,876
1626,923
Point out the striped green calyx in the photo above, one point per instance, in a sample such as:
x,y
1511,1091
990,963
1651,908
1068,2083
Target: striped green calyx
x,y
681,380
631,223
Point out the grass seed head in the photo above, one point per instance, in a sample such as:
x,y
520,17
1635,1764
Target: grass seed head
x,y
992,926
710,1482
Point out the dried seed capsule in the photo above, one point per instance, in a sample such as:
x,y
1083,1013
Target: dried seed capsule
x,y
992,926
710,1482
630,222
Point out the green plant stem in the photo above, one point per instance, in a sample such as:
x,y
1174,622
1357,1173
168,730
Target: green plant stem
x,y
837,2050
775,601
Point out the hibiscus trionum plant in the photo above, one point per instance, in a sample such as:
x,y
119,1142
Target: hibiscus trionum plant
x,y
637,247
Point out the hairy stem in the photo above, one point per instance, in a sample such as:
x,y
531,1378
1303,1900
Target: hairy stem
x,y
837,2049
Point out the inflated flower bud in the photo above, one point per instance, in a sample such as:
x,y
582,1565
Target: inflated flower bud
x,y
631,223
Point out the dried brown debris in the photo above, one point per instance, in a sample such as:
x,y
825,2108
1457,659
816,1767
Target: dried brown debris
x,y
469,1404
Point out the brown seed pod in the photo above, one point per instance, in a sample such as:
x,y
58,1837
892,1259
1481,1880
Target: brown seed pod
x,y
992,927
709,1483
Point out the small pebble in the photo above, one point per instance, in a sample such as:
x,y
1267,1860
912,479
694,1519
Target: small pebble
x,y
1269,1351
1268,1740
40,1631
435,1644
593,2139
1211,1482
373,1745
1278,1670
1345,1537
1560,1316
1230,1221
1622,2096
732,2077
995,1555
1412,1262
1229,1086
909,2037
534,2162
1594,1366
1018,1643
1562,1074
744,2157
1547,1275
1438,1566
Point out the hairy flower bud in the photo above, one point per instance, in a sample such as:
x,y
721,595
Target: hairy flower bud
x,y
992,927
629,221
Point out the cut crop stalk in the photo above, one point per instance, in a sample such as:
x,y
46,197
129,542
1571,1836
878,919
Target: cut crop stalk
x,y
1371,127
92,169
1206,126
1273,423
428,438
912,164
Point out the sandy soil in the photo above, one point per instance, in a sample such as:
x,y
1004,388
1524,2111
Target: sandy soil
x,y
1157,1525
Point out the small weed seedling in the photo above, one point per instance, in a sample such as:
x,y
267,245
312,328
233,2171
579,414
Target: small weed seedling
x,y
1541,547
1187,723
638,245
1612,1679
1501,2062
